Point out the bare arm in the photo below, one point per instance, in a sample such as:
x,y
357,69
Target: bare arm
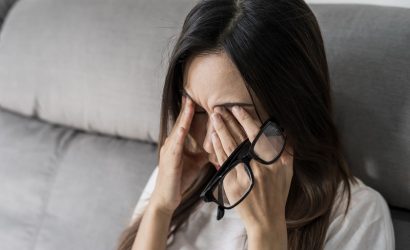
x,y
153,230
174,177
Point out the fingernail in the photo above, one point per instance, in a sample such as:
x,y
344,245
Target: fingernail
x,y
218,109
235,109
213,136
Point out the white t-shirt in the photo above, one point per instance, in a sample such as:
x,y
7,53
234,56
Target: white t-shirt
x,y
367,225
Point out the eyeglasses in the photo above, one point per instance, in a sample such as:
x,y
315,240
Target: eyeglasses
x,y
234,180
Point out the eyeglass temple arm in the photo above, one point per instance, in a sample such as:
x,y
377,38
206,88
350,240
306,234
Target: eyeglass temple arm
x,y
221,210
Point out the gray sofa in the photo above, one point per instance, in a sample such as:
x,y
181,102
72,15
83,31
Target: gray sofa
x,y
80,90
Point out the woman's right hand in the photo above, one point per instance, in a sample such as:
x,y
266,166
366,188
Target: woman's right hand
x,y
172,179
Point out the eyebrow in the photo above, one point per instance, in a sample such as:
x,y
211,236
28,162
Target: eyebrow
x,y
226,104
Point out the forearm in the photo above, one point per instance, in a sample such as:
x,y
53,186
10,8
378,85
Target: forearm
x,y
272,239
153,230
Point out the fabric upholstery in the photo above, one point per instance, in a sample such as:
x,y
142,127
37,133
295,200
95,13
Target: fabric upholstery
x,y
97,65
369,57
64,189
401,224
5,6
76,187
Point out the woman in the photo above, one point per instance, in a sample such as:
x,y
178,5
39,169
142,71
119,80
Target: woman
x,y
236,65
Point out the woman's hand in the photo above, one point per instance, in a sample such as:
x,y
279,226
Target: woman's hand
x,y
263,210
176,170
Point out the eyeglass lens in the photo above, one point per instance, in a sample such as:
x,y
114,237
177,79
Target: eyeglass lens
x,y
233,185
270,143
237,182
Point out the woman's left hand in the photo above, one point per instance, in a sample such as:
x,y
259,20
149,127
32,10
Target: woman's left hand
x,y
263,210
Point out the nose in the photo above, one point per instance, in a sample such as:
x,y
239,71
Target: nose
x,y
207,145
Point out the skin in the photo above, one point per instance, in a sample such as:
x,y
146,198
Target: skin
x,y
211,80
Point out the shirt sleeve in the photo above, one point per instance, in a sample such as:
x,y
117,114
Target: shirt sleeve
x,y
145,196
367,225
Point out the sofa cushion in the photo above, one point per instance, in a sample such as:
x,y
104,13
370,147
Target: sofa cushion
x,y
96,65
65,189
99,67
369,59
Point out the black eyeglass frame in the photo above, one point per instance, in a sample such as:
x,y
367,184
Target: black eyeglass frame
x,y
244,153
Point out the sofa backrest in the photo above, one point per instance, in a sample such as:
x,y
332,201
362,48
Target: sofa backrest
x,y
99,65
368,50
96,65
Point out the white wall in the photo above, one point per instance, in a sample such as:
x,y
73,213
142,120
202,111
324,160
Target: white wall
x,y
397,3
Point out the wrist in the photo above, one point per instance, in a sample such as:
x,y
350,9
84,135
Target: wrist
x,y
160,210
273,236
265,226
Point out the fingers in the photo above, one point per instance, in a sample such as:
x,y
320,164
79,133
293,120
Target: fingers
x,y
182,125
232,124
182,108
228,142
185,116
219,150
178,143
231,131
250,125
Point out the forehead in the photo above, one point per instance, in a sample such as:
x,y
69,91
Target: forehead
x,y
213,74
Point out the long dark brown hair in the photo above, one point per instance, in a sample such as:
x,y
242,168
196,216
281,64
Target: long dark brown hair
x,y
278,49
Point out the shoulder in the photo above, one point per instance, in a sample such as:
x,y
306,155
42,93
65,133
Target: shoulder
x,y
367,223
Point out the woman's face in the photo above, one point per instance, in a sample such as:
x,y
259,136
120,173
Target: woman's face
x,y
212,80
